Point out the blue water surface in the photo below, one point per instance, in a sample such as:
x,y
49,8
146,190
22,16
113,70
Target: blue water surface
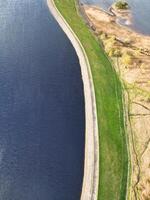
x,y
41,106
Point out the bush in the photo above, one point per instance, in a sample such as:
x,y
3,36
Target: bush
x,y
121,4
111,52
114,53
127,42
109,43
110,48
117,53
103,36
127,59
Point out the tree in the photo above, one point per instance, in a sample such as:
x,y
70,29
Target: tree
x,y
120,4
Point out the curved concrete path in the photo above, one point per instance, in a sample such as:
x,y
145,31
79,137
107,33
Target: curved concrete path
x,y
91,163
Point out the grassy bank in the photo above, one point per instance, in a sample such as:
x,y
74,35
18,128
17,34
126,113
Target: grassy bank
x,y
113,151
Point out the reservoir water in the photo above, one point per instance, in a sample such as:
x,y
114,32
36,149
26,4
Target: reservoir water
x,y
41,106
140,10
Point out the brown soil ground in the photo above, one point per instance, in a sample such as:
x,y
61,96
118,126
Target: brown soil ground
x,y
136,76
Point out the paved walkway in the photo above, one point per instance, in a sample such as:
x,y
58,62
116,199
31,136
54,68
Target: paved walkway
x,y
91,164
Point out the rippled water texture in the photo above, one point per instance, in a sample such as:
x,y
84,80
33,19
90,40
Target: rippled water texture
x,y
41,106
140,10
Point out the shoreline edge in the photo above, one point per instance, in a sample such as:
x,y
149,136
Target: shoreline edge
x,y
91,159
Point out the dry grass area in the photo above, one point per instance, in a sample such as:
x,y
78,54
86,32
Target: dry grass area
x,y
130,52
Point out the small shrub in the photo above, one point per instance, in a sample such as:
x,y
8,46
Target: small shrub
x,y
148,99
114,53
120,4
103,36
108,49
110,42
142,66
117,53
111,52
137,52
127,42
127,58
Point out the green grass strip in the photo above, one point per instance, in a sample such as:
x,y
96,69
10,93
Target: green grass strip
x,y
108,90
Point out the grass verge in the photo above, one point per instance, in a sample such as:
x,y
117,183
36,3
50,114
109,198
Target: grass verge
x,y
108,90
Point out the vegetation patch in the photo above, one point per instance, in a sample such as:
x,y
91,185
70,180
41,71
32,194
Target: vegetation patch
x,y
123,5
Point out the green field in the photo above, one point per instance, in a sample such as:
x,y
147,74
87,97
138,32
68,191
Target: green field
x,y
108,90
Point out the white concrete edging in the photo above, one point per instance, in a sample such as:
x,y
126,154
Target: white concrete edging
x,y
91,160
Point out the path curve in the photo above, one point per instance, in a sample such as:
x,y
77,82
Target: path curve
x,y
91,160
